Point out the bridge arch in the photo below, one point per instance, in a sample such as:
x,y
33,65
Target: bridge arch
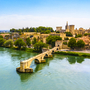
x,y
53,51
37,61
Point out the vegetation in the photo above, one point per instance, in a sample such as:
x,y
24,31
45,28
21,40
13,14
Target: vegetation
x,y
8,43
39,45
34,41
28,42
72,43
65,43
79,35
51,40
66,38
1,36
38,29
86,34
73,53
80,44
2,41
68,34
19,42
47,32
57,32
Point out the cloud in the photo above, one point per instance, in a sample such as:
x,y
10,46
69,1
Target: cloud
x,y
19,21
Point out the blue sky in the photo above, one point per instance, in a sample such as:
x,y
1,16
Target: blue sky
x,y
34,13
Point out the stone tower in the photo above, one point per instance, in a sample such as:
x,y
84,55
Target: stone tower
x,y
67,27
71,29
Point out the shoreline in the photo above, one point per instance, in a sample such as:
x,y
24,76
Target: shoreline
x,y
73,53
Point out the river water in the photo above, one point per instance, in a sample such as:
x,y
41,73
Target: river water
x,y
58,73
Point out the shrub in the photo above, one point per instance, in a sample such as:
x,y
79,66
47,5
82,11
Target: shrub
x,y
1,36
65,43
8,43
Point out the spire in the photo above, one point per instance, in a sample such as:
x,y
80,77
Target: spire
x,y
67,27
67,23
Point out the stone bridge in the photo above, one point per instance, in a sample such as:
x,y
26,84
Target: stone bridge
x,y
25,65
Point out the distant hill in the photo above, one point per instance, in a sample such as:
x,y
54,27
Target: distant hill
x,y
4,30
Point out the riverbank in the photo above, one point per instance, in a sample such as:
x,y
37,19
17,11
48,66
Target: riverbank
x,y
72,53
23,49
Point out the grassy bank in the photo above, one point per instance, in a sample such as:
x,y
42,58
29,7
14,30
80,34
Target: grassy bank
x,y
73,53
23,49
26,49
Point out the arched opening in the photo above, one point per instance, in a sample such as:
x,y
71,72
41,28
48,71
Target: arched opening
x,y
53,51
36,61
46,55
57,48
58,45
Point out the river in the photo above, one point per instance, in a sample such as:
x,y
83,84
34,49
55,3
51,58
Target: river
x,y
61,72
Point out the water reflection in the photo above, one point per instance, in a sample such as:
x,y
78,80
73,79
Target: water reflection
x,y
74,59
16,56
25,76
37,67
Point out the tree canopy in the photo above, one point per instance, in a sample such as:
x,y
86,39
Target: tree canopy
x,y
28,42
34,41
68,34
72,43
79,35
19,42
80,44
39,45
2,41
1,36
51,40
8,43
32,29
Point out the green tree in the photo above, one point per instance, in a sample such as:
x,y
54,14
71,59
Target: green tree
x,y
1,36
8,43
51,40
80,44
47,31
34,41
72,43
57,32
28,42
19,42
39,45
65,43
68,34
66,38
2,41
79,35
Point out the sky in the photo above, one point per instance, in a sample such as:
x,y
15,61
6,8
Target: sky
x,y
49,13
